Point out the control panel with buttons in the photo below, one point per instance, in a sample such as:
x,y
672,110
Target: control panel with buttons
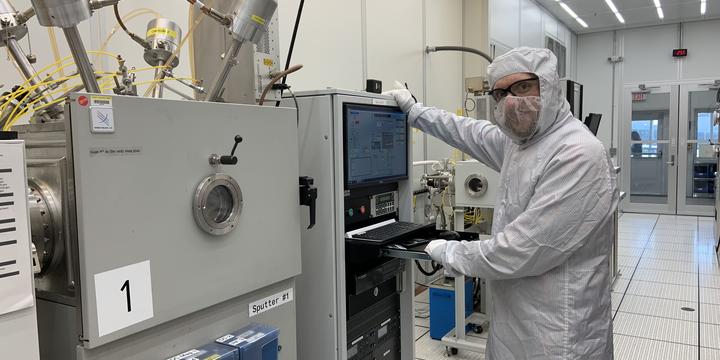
x,y
383,204
363,205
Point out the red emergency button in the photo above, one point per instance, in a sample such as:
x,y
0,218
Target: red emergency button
x,y
362,210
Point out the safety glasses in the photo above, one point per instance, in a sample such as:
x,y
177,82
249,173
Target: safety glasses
x,y
527,87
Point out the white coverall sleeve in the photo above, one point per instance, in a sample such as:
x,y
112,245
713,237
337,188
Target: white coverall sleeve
x,y
573,196
479,138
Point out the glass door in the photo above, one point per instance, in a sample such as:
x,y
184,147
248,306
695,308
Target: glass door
x,y
697,161
649,154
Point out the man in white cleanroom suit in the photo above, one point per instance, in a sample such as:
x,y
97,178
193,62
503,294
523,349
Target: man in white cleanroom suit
x,y
548,261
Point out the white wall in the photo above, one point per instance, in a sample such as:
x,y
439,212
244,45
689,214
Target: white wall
x,y
330,47
647,57
595,72
516,23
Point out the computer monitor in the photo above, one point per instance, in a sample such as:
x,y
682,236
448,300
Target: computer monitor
x,y
592,121
375,144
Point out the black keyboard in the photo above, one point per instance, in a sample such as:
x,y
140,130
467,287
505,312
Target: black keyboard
x,y
391,231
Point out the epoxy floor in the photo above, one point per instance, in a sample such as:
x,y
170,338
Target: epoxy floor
x,y
666,301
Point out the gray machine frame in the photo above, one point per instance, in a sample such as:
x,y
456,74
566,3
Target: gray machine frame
x,y
123,209
321,289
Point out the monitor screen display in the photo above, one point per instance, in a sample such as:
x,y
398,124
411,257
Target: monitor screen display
x,y
376,144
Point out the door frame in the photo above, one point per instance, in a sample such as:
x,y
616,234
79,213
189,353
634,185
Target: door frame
x,y
678,101
682,207
625,161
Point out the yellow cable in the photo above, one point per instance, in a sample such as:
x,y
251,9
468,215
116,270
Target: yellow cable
x,y
135,71
9,125
27,107
12,96
30,90
191,44
54,46
100,52
46,68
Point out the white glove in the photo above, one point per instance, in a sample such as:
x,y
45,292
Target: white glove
x,y
437,251
402,96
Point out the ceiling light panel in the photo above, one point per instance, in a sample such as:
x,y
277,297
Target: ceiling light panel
x,y
615,11
572,13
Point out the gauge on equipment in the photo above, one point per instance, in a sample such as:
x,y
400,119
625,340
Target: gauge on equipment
x,y
218,204
476,185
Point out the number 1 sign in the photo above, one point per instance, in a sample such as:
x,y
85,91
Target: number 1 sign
x,y
124,297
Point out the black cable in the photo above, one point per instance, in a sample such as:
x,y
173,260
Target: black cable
x,y
119,19
411,94
292,45
435,268
120,22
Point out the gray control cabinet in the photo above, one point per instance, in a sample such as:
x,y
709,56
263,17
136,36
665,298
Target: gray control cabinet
x,y
131,190
321,289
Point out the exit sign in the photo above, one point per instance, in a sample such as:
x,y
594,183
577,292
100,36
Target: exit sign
x,y
680,52
639,96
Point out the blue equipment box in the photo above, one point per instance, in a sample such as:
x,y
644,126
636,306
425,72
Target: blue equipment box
x,y
442,306
254,342
211,351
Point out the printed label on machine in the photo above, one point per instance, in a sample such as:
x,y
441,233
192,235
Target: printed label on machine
x,y
244,338
270,302
98,100
380,102
185,354
15,269
131,150
102,120
123,297
101,114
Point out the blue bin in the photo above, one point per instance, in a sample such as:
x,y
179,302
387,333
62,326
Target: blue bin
x,y
442,308
254,342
